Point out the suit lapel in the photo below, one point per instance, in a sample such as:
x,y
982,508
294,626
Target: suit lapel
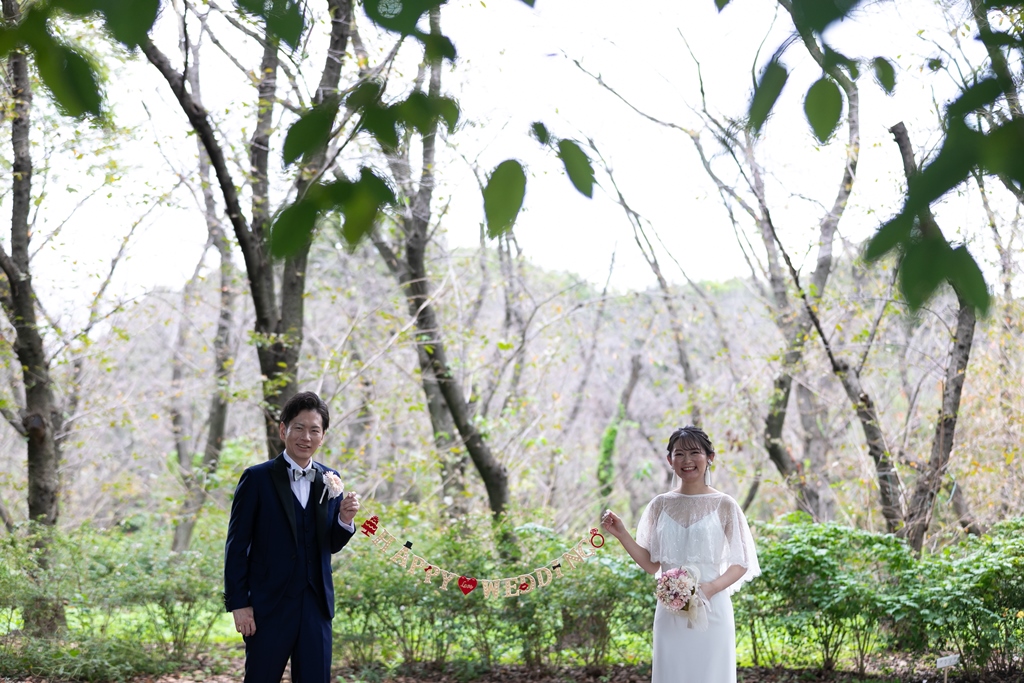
x,y
284,491
316,490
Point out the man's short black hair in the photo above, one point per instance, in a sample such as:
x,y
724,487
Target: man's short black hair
x,y
305,400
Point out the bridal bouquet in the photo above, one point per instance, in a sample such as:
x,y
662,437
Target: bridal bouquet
x,y
679,591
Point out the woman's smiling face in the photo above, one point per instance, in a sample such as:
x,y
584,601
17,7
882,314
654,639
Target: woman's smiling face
x,y
688,461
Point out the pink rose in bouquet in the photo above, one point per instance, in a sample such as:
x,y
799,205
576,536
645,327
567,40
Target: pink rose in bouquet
x,y
679,591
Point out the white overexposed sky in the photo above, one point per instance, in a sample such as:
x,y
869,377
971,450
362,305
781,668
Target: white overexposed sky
x,y
516,65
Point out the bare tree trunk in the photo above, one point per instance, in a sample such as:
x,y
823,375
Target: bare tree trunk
x,y
890,489
196,483
356,442
816,448
450,453
5,516
278,329
889,484
964,517
412,276
45,617
919,512
922,503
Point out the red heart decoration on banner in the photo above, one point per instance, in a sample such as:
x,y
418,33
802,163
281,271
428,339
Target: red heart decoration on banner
x,y
466,584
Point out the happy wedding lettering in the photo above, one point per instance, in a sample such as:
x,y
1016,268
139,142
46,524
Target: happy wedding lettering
x,y
492,588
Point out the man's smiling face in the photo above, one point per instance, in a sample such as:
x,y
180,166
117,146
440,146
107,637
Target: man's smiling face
x,y
302,436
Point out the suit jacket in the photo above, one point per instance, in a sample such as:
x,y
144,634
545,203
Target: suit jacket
x,y
261,550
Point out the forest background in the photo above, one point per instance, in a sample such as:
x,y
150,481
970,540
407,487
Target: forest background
x,y
244,201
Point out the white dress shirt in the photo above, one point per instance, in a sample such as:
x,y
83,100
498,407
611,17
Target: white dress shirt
x,y
300,488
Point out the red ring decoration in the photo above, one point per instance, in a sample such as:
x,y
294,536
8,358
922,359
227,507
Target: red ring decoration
x,y
594,534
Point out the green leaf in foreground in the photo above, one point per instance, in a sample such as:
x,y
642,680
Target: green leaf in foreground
x,y
400,16
888,236
311,132
437,46
924,266
884,74
503,196
285,21
71,80
823,107
577,166
540,131
966,277
366,198
293,227
130,22
767,93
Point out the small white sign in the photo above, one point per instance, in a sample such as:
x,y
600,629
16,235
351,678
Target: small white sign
x,y
944,662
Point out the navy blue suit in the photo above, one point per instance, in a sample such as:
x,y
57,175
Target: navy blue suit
x,y
278,561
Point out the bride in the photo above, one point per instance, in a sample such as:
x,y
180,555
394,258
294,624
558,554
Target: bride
x,y
699,527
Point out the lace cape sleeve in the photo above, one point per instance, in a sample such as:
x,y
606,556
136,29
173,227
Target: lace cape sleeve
x,y
739,543
647,529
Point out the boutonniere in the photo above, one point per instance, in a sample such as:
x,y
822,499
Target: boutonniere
x,y
333,487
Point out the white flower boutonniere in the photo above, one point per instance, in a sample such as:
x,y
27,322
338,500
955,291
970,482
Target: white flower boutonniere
x,y
333,486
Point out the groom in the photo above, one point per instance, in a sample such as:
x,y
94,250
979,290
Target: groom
x,y
277,560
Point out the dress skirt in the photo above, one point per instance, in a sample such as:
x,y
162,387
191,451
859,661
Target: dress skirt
x,y
685,655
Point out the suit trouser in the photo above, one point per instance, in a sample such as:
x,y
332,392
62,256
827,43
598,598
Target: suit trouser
x,y
295,629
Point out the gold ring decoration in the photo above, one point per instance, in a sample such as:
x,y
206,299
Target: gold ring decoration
x,y
594,535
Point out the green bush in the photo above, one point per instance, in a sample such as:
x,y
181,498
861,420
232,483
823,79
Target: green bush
x,y
828,594
843,592
970,598
130,605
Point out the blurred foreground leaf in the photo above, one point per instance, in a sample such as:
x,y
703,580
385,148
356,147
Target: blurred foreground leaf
x,y
767,93
577,166
503,196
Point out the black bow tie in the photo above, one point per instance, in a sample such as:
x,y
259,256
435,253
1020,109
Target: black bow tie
x,y
309,475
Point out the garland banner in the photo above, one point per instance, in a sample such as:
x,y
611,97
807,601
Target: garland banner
x,y
492,588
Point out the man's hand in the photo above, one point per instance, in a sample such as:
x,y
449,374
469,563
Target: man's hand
x,y
244,621
349,508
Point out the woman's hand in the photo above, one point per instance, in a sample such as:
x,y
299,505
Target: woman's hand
x,y
613,524
708,589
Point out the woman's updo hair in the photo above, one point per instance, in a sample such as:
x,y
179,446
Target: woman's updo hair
x,y
691,437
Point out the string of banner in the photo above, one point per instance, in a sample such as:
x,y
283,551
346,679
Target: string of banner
x,y
510,587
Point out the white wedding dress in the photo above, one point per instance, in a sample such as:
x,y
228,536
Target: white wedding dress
x,y
709,532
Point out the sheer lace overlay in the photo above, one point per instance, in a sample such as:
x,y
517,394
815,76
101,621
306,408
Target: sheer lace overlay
x,y
707,531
